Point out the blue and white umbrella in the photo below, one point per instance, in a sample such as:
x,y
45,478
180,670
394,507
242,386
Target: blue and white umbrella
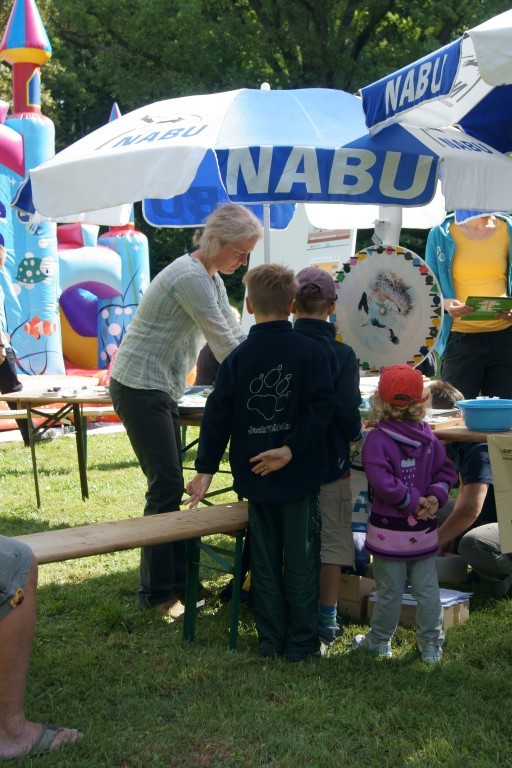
x,y
261,146
466,83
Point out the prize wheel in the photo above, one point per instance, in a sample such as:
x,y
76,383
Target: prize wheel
x,y
389,307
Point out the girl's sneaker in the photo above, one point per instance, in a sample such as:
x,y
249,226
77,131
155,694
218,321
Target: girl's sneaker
x,y
382,649
431,655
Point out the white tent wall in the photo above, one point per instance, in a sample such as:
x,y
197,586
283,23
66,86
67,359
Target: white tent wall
x,y
292,246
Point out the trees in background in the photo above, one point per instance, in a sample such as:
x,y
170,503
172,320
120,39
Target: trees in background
x,y
139,51
135,52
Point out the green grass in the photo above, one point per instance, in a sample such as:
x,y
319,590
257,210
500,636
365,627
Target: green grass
x,y
145,699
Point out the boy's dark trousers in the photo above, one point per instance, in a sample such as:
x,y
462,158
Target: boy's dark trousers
x,y
285,565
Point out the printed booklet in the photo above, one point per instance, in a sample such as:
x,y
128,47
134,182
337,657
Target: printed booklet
x,y
487,306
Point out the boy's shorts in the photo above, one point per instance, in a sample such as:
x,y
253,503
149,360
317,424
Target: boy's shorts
x,y
336,542
15,563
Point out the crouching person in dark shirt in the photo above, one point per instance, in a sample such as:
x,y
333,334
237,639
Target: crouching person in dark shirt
x,y
272,401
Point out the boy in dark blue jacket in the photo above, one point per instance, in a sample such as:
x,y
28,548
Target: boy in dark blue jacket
x,y
272,401
314,303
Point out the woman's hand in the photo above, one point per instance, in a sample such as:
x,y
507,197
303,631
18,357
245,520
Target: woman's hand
x,y
456,308
271,461
197,488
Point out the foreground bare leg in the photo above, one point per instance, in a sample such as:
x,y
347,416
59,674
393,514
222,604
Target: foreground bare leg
x,y
17,735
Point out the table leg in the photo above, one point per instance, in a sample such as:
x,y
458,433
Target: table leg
x,y
80,449
192,582
237,588
33,454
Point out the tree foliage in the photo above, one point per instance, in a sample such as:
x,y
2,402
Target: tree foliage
x,y
134,52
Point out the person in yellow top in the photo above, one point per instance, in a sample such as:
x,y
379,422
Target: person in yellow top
x,y
470,254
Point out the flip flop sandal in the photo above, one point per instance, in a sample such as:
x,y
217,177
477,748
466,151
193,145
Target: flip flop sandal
x,y
44,743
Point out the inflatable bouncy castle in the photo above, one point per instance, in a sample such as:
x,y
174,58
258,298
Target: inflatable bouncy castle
x,y
101,281
70,292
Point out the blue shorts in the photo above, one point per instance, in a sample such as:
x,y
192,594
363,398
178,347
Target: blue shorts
x,y
15,563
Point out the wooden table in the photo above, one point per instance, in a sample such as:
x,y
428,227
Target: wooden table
x,y
64,404
67,404
464,435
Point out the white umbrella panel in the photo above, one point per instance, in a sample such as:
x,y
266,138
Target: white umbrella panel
x,y
466,83
256,146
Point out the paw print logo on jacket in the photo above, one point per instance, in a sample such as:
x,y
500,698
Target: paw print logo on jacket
x,y
269,393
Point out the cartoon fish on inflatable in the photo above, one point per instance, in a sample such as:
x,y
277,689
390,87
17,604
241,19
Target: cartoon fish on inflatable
x,y
37,327
34,270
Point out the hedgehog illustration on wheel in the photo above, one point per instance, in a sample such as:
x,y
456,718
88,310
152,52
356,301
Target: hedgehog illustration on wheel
x,y
384,307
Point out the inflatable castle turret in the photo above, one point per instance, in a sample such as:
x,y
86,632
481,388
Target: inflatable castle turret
x,y
70,293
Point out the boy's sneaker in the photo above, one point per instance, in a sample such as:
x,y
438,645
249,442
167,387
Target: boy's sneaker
x,y
382,649
292,658
329,634
431,655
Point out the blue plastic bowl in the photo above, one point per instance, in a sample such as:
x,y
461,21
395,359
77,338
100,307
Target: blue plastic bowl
x,y
486,414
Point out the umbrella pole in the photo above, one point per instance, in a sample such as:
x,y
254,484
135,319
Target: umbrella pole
x,y
388,226
266,233
266,211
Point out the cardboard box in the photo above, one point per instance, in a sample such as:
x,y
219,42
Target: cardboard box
x,y
453,614
353,596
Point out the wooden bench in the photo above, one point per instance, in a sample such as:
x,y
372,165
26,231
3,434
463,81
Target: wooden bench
x,y
186,525
93,412
88,412
20,413
14,414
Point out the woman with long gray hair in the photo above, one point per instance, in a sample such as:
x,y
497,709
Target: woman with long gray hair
x,y
185,302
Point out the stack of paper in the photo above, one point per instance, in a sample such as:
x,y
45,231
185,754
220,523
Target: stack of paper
x,y
448,597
